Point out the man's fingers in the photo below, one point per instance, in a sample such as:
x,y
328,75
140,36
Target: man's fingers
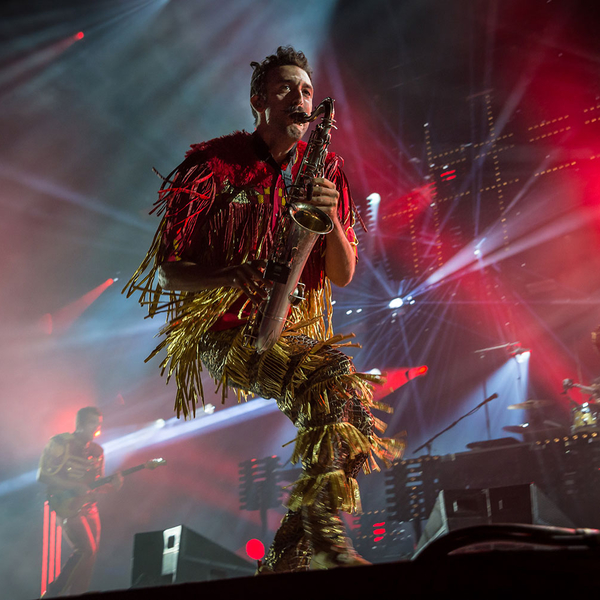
x,y
324,193
252,285
258,263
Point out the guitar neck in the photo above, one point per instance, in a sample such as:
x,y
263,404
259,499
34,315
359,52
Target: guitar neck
x,y
103,480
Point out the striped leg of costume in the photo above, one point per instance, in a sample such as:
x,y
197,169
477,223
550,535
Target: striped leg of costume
x,y
316,386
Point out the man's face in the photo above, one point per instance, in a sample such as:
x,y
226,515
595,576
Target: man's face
x,y
289,90
91,427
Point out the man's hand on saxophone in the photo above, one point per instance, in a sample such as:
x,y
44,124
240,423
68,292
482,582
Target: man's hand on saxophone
x,y
340,258
248,277
325,196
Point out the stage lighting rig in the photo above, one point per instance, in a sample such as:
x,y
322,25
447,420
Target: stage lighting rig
x,y
259,483
514,350
519,353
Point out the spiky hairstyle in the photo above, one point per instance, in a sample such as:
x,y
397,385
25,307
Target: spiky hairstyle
x,y
285,55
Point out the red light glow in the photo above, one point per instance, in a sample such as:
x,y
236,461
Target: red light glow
x,y
45,547
255,549
52,547
397,378
79,36
46,324
378,531
66,316
417,372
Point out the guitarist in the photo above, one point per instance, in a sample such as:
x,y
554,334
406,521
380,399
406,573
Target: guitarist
x,y
70,463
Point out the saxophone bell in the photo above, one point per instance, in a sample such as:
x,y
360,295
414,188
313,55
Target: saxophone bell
x,y
311,218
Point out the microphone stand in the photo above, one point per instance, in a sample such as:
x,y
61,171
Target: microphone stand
x,y
428,443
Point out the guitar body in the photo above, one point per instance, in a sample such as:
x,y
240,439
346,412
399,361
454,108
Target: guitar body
x,y
67,503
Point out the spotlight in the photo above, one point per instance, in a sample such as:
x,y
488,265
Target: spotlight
x,y
374,199
515,350
159,423
396,303
414,372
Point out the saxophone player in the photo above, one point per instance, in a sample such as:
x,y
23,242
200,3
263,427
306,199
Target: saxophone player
x,y
220,208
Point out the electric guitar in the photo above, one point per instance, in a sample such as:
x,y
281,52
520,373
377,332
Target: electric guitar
x,y
67,503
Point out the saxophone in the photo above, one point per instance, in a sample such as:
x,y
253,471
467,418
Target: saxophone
x,y
295,237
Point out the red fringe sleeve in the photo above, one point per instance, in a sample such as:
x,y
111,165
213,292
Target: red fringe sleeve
x,y
186,197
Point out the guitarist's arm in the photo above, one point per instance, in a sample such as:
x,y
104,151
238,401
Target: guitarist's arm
x,y
102,484
114,484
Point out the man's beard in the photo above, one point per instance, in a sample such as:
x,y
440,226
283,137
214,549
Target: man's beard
x,y
296,132
297,128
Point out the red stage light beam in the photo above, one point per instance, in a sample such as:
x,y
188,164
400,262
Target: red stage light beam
x,y
30,63
396,379
62,319
416,372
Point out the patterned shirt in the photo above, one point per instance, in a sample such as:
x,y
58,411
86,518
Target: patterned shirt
x,y
67,458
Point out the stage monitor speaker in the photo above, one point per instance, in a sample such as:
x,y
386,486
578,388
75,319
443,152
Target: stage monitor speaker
x,y
522,504
178,555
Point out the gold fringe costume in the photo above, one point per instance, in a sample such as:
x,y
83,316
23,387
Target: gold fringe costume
x,y
219,208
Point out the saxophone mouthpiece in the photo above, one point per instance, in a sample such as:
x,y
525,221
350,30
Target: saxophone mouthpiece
x,y
300,116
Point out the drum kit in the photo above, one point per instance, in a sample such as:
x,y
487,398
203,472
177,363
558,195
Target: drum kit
x,y
585,417
538,427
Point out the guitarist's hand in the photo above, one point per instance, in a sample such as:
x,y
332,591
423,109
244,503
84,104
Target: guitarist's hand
x,y
117,481
82,489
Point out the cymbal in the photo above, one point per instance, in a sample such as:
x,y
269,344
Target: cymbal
x,y
529,404
515,428
527,428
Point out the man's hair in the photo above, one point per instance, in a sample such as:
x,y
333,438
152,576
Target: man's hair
x,y
285,55
83,414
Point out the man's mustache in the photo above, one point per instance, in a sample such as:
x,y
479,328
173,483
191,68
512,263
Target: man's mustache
x,y
298,114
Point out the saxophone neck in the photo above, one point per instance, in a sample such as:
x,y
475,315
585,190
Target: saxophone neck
x,y
325,108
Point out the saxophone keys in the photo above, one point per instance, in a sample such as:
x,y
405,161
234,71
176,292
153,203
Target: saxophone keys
x,y
297,295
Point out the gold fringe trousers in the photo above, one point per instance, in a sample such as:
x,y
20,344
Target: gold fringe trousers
x,y
317,387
